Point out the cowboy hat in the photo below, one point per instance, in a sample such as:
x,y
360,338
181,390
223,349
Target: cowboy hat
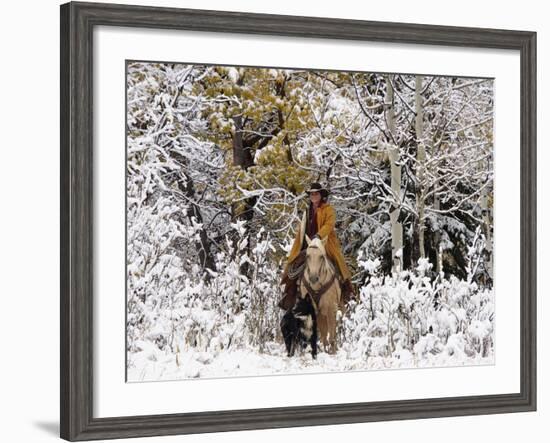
x,y
317,187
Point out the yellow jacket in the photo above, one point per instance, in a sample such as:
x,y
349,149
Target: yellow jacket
x,y
326,221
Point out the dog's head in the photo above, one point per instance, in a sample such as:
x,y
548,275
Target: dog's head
x,y
303,307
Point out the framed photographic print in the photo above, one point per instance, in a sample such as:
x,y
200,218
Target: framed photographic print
x,y
272,221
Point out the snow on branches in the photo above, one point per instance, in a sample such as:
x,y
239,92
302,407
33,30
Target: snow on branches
x,y
218,161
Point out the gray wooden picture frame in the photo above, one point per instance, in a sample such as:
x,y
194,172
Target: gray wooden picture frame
x,y
76,215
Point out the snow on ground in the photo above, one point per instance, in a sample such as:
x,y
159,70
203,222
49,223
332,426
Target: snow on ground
x,y
401,321
151,365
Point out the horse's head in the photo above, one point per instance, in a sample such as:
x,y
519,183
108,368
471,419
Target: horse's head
x,y
317,263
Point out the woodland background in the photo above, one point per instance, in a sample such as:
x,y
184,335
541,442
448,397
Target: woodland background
x,y
217,162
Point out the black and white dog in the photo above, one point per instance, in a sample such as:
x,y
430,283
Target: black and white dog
x,y
299,326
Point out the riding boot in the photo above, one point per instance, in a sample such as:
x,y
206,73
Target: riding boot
x,y
348,291
289,298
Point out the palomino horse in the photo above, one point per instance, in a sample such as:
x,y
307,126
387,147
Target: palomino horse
x,y
320,281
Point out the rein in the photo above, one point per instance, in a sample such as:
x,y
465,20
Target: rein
x,y
296,269
317,294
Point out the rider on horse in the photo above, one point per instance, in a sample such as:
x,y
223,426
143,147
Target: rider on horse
x,y
320,220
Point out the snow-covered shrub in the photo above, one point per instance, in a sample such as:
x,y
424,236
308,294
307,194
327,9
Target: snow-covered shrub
x,y
262,313
409,311
154,272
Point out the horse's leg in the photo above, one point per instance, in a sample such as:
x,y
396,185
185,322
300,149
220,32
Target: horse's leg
x,y
328,306
325,311
338,305
332,329
323,329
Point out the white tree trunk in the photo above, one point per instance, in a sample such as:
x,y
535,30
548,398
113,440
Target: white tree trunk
x,y
396,227
421,166
437,235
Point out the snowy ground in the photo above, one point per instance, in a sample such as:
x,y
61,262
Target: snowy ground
x,y
400,321
150,365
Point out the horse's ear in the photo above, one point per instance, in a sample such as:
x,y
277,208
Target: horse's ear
x,y
308,240
324,241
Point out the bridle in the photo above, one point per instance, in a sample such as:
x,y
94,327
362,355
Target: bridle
x,y
316,294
